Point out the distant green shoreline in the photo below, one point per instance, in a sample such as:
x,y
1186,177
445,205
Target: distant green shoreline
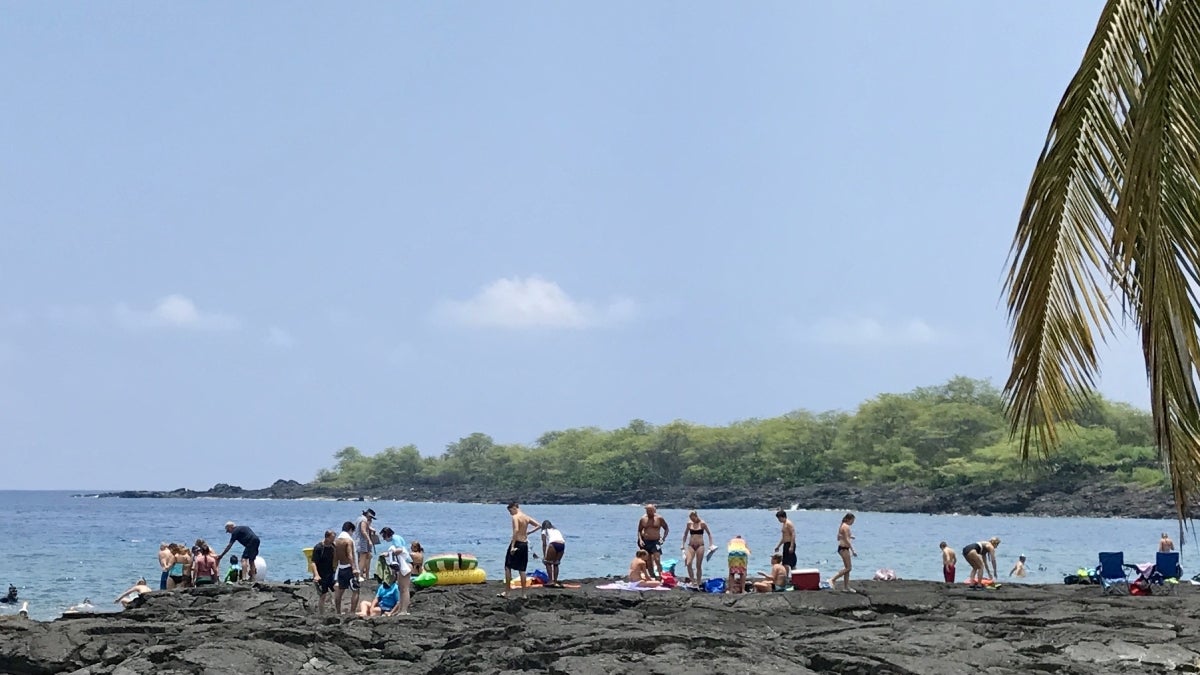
x,y
953,434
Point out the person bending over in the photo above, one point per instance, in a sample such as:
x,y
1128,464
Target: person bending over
x,y
980,555
554,545
132,593
242,534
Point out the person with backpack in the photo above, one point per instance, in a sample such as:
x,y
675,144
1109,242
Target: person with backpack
x,y
323,560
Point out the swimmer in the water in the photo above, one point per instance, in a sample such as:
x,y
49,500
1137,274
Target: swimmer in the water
x,y
12,595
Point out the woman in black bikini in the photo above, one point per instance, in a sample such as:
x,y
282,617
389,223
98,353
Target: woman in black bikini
x,y
845,549
693,546
978,555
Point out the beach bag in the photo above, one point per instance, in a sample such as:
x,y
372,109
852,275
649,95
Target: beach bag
x,y
375,540
714,586
540,576
668,580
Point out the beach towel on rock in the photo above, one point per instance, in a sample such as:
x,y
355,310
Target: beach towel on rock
x,y
628,586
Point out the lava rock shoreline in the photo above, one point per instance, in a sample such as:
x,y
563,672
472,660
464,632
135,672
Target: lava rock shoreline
x,y
887,628
1055,498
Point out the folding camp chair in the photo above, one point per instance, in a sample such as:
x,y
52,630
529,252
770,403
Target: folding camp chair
x,y
1114,573
1166,573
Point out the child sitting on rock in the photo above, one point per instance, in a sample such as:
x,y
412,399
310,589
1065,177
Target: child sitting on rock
x,y
235,571
639,571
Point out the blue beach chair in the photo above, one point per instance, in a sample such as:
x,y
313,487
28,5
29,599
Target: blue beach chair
x,y
1166,573
1114,573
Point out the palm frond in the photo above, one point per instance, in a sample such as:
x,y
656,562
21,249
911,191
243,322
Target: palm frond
x,y
1156,238
1061,258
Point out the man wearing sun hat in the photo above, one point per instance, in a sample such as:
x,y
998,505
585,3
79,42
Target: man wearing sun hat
x,y
364,539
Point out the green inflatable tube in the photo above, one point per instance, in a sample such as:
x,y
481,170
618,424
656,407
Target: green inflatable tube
x,y
425,580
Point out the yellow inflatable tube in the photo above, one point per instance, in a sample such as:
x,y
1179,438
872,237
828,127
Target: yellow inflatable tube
x,y
459,577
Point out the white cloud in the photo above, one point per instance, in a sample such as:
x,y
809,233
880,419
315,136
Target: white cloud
x,y
278,337
174,311
532,302
860,331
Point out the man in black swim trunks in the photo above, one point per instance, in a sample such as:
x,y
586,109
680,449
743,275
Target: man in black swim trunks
x,y
517,556
323,560
241,534
652,530
787,541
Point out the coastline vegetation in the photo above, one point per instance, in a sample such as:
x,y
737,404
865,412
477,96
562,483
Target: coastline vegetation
x,y
951,434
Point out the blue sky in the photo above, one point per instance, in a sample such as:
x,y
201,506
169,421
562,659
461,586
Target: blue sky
x,y
235,238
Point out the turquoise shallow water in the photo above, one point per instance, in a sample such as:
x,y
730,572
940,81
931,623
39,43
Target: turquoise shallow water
x,y
58,549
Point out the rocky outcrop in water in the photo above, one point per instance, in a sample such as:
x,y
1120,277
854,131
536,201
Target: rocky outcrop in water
x,y
1055,497
888,628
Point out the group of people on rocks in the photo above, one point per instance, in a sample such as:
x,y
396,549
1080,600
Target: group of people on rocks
x,y
342,562
199,566
646,568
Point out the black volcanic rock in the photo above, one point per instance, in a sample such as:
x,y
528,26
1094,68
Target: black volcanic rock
x,y
888,628
225,489
1091,496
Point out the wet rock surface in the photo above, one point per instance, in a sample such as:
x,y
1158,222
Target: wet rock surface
x,y
887,628
1051,497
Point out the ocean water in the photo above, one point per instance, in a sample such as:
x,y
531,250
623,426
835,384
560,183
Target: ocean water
x,y
59,550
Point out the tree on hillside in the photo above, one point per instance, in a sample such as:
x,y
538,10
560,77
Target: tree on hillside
x,y
1111,220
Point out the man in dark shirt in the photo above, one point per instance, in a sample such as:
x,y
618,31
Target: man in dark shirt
x,y
323,560
245,536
